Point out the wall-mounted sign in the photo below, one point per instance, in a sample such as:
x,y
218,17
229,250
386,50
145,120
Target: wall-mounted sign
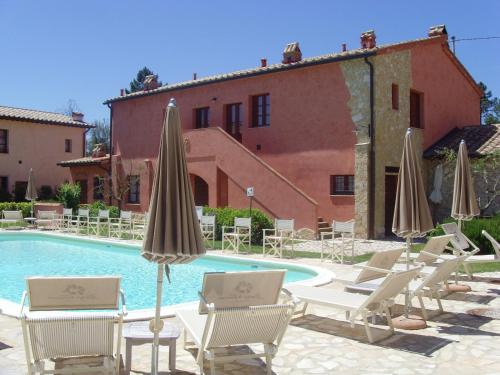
x,y
250,192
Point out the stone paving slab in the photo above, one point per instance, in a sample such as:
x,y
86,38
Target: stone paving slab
x,y
322,342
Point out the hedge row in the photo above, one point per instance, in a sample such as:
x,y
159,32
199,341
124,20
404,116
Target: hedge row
x,y
225,217
473,228
25,207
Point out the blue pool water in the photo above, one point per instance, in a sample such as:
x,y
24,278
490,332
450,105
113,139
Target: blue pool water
x,y
23,255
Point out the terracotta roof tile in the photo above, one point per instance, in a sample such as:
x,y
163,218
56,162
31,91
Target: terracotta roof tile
x,y
31,115
88,160
480,140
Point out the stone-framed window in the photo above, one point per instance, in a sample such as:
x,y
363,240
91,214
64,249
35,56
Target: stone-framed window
x,y
4,141
342,185
134,183
261,111
202,117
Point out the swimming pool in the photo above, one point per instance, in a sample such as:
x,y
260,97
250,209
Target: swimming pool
x,y
36,254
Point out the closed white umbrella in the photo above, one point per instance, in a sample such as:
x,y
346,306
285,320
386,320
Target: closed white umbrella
x,y
436,195
31,194
173,232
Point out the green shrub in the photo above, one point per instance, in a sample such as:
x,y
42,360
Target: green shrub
x,y
45,193
69,195
99,205
25,207
225,217
473,228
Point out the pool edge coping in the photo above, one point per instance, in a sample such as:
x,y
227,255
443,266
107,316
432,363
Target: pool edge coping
x,y
12,309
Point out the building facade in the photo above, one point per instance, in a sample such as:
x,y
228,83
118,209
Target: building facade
x,y
318,138
37,140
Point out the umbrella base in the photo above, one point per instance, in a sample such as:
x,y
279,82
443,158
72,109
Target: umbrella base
x,y
412,322
458,288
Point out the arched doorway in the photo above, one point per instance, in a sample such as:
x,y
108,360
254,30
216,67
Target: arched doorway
x,y
200,191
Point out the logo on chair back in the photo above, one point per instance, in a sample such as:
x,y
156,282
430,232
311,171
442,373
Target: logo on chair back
x,y
244,287
74,290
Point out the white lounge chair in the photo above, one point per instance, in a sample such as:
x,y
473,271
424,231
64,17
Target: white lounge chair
x,y
274,240
426,286
53,330
237,236
431,251
462,245
207,226
238,308
46,220
11,217
358,304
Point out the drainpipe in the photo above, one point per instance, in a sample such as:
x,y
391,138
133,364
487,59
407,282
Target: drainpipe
x,y
110,142
371,156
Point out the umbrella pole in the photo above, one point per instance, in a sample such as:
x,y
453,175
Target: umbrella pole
x,y
157,327
407,291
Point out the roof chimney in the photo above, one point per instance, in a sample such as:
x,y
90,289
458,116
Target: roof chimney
x,y
292,53
368,39
344,47
77,116
263,63
194,76
151,82
122,92
437,30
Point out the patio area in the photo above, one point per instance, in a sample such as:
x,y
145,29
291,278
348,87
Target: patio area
x,y
322,342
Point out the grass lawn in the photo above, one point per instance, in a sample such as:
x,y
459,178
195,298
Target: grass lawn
x,y
257,249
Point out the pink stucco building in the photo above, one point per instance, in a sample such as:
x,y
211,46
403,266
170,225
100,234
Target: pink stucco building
x,y
38,140
318,138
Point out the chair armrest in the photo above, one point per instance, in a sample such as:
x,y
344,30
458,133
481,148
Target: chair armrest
x,y
289,295
23,300
324,234
124,305
226,228
268,230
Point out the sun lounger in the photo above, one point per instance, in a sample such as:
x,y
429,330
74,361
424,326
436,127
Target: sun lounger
x,y
52,329
238,308
11,217
379,301
426,286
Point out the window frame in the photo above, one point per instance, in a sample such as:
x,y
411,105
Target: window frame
x,y
346,182
202,113
68,145
395,96
261,111
134,193
419,111
4,147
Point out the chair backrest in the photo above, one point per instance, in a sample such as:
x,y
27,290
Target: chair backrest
x,y
12,215
442,272
393,284
83,212
243,222
346,227
284,225
67,212
73,293
494,243
459,240
44,215
436,246
126,215
103,214
383,260
241,289
199,212
208,220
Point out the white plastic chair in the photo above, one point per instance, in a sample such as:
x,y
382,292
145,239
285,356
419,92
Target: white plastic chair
x,y
121,226
11,217
275,240
207,226
340,239
53,329
82,221
98,224
46,219
238,308
237,236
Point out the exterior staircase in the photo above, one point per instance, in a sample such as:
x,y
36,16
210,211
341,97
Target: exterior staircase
x,y
323,226
212,153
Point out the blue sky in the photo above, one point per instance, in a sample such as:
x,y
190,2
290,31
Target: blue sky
x,y
53,51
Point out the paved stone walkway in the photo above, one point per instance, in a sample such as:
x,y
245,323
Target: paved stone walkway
x,y
322,342
360,246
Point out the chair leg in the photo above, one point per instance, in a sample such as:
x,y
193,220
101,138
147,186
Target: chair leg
x,y
389,319
212,366
367,328
422,307
468,271
438,300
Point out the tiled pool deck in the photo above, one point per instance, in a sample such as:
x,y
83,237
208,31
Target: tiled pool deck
x,y
322,342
